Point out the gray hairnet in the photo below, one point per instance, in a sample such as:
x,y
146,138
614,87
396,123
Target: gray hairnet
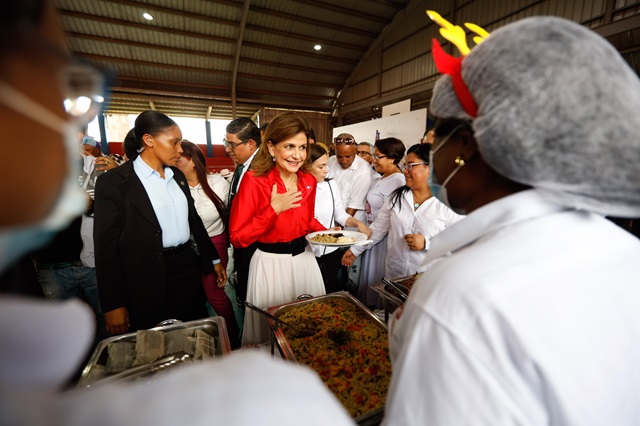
x,y
558,109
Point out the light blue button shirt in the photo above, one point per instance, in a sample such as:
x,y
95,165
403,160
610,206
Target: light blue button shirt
x,y
168,201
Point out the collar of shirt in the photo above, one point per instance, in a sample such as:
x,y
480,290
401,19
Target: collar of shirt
x,y
524,205
144,171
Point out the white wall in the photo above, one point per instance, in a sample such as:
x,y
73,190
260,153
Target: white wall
x,y
408,127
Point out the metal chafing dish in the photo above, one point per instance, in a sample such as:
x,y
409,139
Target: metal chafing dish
x,y
394,292
368,419
214,326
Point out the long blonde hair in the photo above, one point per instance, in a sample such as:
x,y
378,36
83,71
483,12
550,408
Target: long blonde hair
x,y
283,127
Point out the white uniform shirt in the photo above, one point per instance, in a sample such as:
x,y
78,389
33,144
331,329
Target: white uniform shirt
x,y
205,207
354,183
396,221
328,205
380,190
533,320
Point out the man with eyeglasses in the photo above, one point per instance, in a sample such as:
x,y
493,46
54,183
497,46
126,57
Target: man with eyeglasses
x,y
365,151
241,143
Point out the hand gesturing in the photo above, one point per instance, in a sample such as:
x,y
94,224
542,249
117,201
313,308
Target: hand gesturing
x,y
286,201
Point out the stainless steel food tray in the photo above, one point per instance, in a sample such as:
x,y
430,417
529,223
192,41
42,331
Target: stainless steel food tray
x,y
213,326
368,419
390,296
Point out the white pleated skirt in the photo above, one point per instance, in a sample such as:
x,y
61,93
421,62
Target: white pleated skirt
x,y
275,279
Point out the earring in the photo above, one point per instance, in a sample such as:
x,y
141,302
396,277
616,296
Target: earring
x,y
459,161
273,158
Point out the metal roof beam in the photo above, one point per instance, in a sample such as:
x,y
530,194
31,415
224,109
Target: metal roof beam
x,y
236,62
202,54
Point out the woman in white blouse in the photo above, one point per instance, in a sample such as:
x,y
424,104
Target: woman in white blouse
x,y
387,155
209,192
410,217
330,212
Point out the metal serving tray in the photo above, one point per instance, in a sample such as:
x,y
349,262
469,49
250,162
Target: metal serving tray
x,y
392,296
368,419
213,326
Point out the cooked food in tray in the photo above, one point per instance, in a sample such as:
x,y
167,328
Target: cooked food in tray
x,y
349,352
150,347
333,238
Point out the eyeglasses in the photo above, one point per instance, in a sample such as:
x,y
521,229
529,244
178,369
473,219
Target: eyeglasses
x,y
232,145
410,166
345,141
377,157
363,153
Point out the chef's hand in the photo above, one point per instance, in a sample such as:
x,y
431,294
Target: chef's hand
x,y
364,229
117,321
105,163
348,258
288,200
416,242
221,272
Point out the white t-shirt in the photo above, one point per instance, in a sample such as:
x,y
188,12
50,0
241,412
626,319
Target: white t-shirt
x,y
354,183
532,320
206,208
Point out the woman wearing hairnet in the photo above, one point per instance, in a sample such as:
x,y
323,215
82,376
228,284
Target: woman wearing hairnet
x,y
528,312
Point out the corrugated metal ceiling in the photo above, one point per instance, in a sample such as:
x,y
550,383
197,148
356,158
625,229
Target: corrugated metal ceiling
x,y
183,61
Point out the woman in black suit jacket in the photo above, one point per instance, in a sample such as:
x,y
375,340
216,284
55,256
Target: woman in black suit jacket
x,y
148,263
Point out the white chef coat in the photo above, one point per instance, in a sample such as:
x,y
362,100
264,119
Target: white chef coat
x,y
533,320
354,183
329,205
205,207
43,341
396,221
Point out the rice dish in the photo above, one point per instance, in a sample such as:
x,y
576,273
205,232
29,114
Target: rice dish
x,y
333,238
347,350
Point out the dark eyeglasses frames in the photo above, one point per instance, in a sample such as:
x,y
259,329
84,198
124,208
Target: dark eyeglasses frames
x,y
232,145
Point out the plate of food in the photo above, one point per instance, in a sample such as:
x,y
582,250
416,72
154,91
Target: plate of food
x,y
337,238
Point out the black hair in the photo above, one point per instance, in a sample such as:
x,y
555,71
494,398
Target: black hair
x,y
264,127
315,151
244,129
192,151
147,123
130,146
18,20
312,134
445,126
392,148
422,150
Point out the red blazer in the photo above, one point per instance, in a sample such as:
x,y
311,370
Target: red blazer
x,y
253,219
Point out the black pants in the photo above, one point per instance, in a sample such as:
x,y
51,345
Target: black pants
x,y
241,261
330,265
184,297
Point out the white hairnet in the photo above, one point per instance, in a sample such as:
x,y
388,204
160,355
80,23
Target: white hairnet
x,y
558,109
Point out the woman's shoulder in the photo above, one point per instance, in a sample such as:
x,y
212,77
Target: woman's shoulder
x,y
306,177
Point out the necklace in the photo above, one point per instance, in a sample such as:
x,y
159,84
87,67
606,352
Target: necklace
x,y
291,184
417,203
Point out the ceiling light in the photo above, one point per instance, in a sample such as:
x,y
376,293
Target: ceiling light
x,y
317,47
147,16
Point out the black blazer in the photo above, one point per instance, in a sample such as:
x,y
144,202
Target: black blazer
x,y
130,267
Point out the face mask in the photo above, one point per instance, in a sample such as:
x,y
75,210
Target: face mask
x,y
72,201
440,191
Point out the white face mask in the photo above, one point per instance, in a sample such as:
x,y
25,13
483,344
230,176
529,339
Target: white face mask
x,y
71,202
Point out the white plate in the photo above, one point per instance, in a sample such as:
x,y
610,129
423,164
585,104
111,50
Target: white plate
x,y
357,236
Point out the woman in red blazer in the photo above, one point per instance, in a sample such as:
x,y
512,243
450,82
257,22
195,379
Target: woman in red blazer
x,y
275,208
